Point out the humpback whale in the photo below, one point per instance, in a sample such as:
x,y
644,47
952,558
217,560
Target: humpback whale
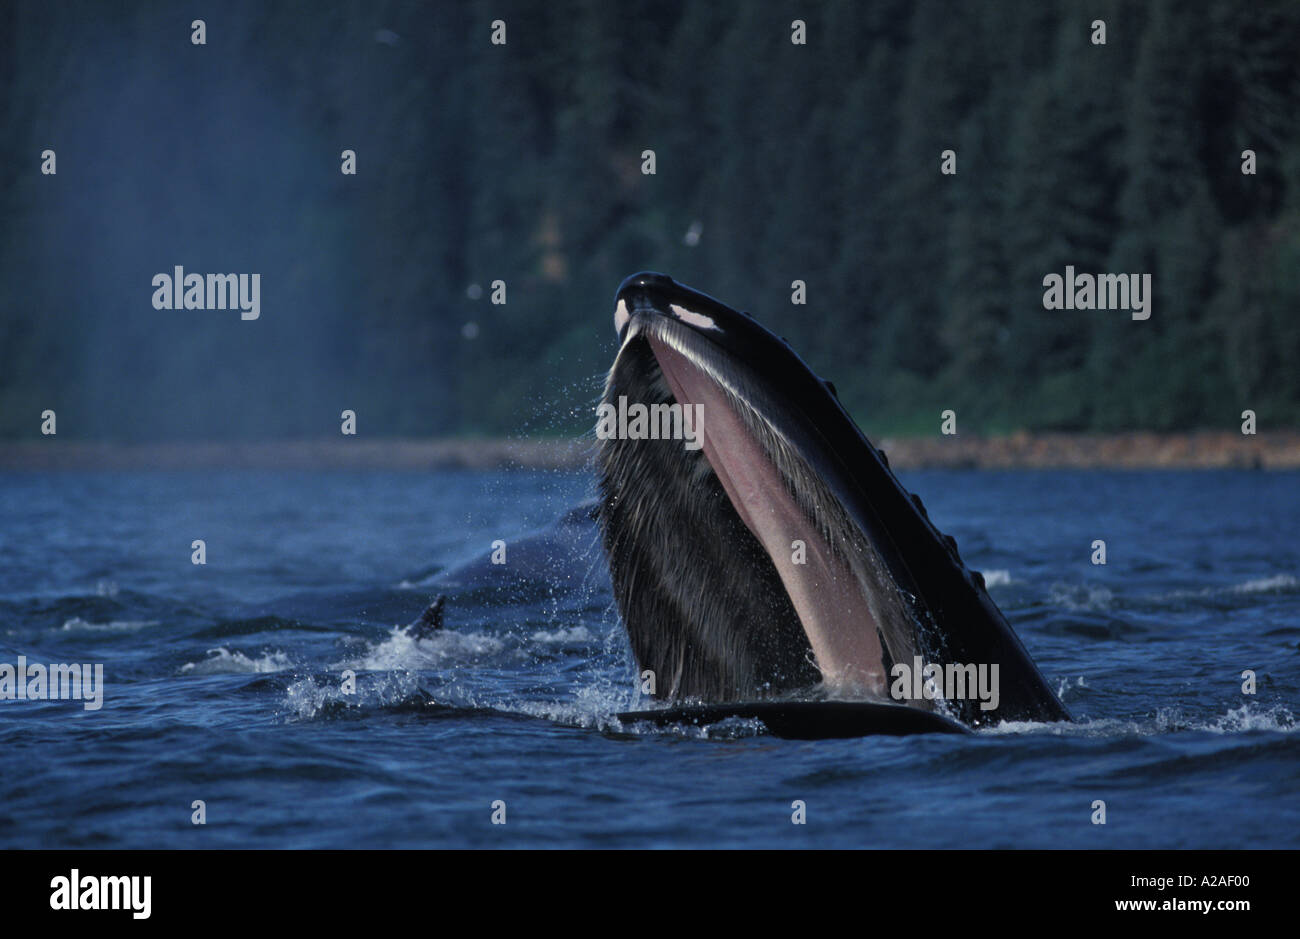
x,y
778,568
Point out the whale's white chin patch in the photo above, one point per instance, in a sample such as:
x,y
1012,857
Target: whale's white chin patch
x,y
691,318
829,600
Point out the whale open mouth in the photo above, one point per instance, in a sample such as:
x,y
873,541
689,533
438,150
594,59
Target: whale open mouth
x,y
767,550
798,524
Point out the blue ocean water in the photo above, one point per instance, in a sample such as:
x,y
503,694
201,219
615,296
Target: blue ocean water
x,y
224,681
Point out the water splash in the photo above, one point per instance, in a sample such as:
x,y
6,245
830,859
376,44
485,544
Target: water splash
x,y
222,661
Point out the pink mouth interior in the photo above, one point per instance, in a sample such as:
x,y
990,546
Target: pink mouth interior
x,y
828,598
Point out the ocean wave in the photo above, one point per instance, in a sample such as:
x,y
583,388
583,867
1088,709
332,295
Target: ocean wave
x,y
1278,583
997,578
1275,583
592,706
222,661
572,635
310,698
1098,599
1081,597
1247,717
402,651
77,624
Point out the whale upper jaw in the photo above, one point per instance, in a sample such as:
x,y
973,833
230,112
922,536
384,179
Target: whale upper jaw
x,y
781,557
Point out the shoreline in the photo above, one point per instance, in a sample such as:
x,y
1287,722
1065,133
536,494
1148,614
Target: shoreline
x,y
1277,450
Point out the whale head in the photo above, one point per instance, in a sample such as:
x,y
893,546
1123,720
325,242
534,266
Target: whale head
x,y
758,544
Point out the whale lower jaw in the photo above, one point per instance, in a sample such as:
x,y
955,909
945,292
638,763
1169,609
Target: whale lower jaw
x,y
757,585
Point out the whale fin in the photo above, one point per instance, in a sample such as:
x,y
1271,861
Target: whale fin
x,y
430,620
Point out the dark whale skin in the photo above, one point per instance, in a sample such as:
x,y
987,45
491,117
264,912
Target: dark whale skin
x,y
808,720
